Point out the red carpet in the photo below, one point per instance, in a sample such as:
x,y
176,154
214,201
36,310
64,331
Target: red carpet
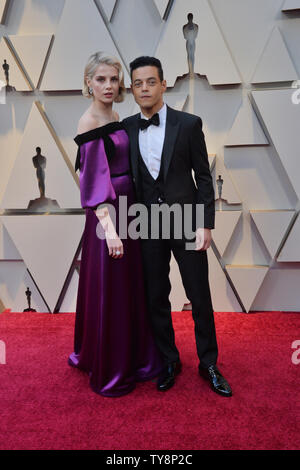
x,y
45,404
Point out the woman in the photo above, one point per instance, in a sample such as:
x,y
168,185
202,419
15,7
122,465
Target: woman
x,y
113,341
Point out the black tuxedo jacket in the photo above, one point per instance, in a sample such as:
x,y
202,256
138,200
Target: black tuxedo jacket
x,y
184,150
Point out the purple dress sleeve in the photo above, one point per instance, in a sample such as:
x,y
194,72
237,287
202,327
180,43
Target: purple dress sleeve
x,y
95,182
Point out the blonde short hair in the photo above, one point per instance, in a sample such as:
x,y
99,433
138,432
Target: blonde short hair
x,y
94,61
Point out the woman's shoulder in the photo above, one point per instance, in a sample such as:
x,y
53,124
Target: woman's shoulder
x,y
86,123
96,132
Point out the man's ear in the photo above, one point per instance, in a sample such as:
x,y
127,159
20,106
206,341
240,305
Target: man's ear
x,y
164,84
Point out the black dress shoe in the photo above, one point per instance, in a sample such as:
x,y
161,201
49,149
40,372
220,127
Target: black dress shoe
x,y
217,382
166,378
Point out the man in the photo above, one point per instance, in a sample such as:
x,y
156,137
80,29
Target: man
x,y
165,146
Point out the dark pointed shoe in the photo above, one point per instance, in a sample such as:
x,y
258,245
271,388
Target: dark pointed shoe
x,y
217,382
166,378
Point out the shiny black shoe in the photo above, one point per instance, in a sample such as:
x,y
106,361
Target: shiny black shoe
x,y
217,382
166,378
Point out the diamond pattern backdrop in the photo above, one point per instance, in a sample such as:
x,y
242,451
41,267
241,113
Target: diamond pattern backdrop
x,y
247,92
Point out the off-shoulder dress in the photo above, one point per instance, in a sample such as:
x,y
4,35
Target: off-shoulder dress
x,y
113,340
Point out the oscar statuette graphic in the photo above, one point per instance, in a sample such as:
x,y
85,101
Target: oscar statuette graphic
x,y
220,182
190,32
220,200
28,295
42,203
5,67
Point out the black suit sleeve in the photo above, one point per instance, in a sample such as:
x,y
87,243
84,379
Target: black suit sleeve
x,y
203,178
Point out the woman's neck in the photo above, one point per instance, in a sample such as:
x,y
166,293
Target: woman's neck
x,y
102,111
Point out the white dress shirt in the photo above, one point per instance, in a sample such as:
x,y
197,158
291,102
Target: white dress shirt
x,y
151,141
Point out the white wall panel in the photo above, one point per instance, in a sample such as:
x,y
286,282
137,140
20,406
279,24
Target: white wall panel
x,y
16,78
291,5
272,226
108,7
70,298
223,296
32,51
278,290
260,178
47,245
291,249
161,5
34,16
8,250
209,43
225,224
23,185
14,280
246,25
247,280
275,64
70,52
229,192
246,129
3,4
282,117
136,28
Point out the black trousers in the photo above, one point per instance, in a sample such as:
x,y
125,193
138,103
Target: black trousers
x,y
193,268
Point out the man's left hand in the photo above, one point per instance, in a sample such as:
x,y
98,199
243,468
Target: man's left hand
x,y
203,238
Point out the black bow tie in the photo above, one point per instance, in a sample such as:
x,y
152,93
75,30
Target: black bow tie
x,y
145,123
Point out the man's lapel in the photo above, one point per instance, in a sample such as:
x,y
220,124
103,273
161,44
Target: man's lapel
x,y
172,128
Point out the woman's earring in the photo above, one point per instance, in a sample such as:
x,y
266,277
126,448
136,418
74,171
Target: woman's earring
x,y
90,91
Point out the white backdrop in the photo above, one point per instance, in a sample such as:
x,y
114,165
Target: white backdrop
x,y
246,90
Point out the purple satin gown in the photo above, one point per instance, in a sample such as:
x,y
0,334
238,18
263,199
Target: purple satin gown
x,y
113,340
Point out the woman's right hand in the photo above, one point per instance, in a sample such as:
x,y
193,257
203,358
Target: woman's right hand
x,y
114,244
113,241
